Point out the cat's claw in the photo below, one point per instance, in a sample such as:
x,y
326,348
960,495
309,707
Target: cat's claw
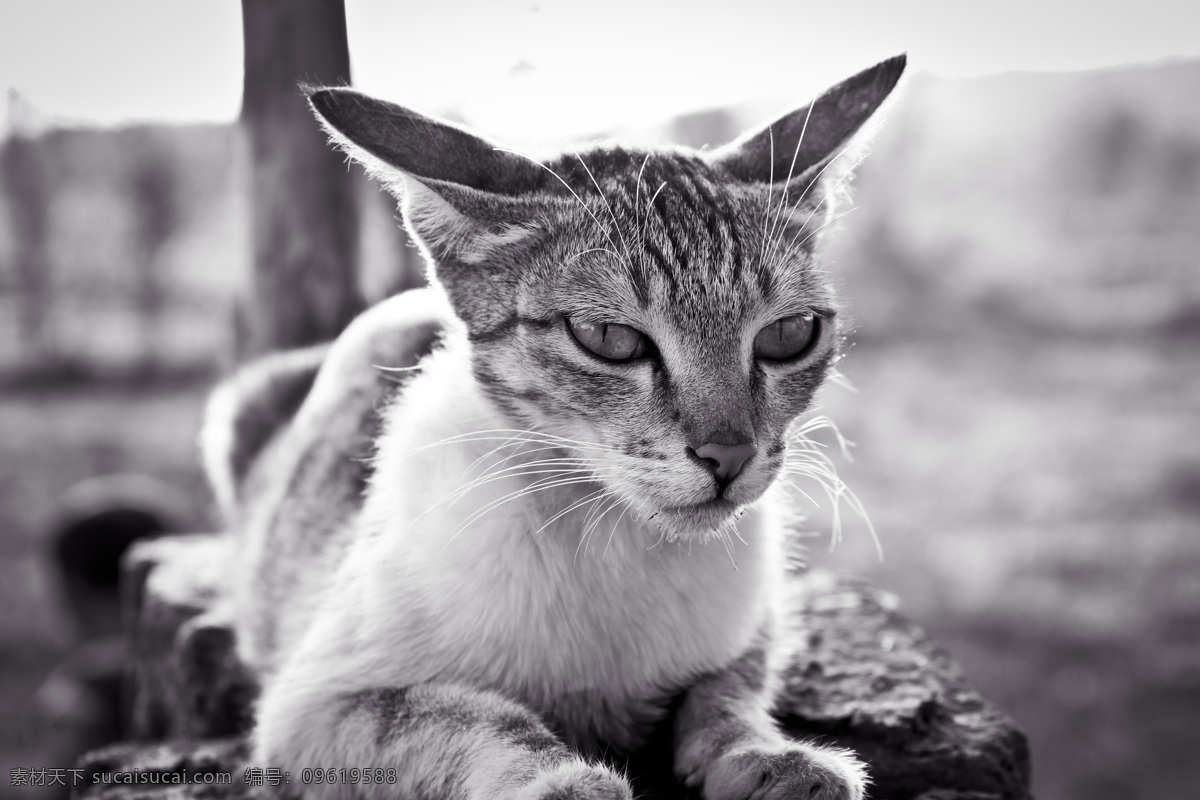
x,y
793,772
578,781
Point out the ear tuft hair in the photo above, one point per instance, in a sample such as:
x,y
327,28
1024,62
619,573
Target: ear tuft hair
x,y
455,236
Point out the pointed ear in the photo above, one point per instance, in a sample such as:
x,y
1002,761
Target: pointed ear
x,y
474,209
808,138
385,135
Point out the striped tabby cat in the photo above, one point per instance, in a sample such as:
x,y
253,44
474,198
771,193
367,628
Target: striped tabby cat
x,y
493,531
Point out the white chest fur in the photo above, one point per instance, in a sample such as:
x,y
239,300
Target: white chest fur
x,y
592,632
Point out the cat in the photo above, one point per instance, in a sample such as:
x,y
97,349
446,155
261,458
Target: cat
x,y
490,532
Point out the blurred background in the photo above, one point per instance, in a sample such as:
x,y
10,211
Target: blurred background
x,y
1023,262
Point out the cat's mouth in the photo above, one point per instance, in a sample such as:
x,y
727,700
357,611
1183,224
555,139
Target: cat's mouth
x,y
721,504
697,518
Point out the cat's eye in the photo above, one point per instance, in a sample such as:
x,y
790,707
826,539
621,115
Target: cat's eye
x,y
610,340
786,338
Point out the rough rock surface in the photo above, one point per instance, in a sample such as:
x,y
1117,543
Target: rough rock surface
x,y
865,677
861,675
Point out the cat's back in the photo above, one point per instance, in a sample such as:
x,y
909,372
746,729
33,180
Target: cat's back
x,y
289,443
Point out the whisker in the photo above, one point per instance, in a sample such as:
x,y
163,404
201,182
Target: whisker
x,y
544,446
496,468
510,442
727,543
591,527
582,466
413,368
496,472
845,174
806,458
637,193
603,199
839,379
791,248
796,205
521,437
807,496
787,181
657,191
662,537
770,186
533,488
581,253
795,246
462,491
594,497
554,479
649,209
613,532
823,422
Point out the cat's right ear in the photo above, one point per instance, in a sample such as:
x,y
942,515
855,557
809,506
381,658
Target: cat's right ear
x,y
800,144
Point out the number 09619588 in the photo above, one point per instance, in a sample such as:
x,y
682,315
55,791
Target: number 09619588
x,y
357,775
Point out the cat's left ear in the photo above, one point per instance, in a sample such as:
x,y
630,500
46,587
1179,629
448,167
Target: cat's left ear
x,y
392,139
800,144
471,205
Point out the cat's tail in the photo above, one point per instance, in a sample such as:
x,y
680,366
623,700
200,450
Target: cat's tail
x,y
247,411
328,396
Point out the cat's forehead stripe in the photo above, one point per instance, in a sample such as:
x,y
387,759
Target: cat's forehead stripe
x,y
680,222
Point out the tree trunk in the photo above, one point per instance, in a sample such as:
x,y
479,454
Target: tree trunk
x,y
305,206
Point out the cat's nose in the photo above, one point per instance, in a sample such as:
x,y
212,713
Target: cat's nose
x,y
725,460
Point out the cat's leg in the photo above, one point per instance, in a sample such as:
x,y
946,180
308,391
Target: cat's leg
x,y
439,740
727,743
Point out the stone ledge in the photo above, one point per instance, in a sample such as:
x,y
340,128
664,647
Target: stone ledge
x,y
169,771
187,681
861,676
869,679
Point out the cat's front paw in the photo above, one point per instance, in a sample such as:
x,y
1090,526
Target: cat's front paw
x,y
577,780
790,772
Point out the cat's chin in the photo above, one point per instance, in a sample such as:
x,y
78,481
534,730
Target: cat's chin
x,y
699,521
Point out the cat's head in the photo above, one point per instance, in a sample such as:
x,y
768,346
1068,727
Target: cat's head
x,y
664,309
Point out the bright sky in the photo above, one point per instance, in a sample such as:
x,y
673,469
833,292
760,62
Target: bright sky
x,y
547,68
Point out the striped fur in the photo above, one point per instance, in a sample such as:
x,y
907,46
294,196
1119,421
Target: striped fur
x,y
495,571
